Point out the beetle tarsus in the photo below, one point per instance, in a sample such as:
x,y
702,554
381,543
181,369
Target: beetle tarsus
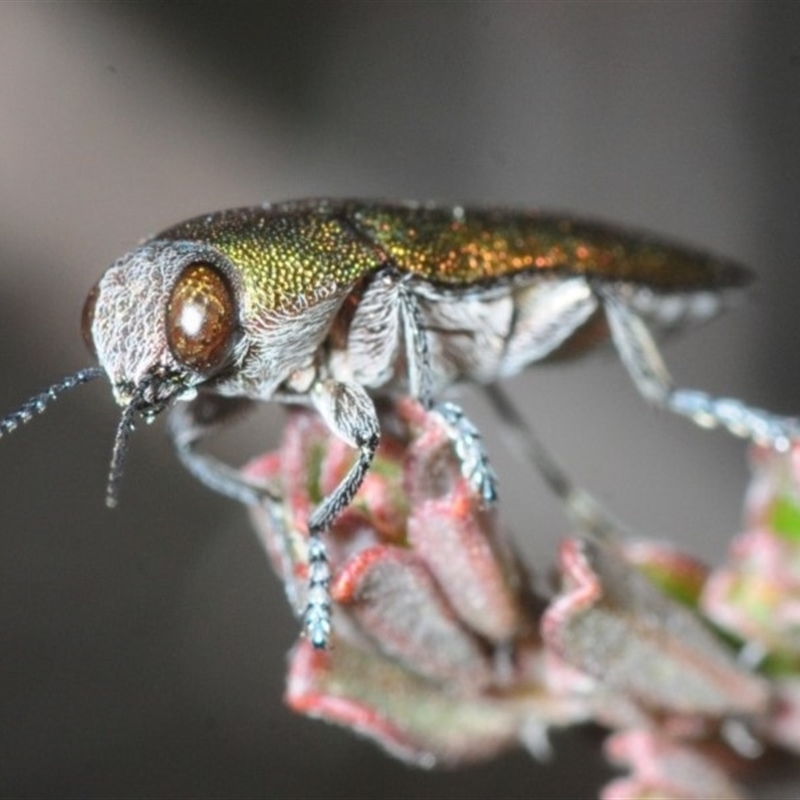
x,y
317,622
469,448
641,358
350,413
756,424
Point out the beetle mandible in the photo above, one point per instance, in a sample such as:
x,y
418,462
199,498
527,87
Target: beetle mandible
x,y
333,303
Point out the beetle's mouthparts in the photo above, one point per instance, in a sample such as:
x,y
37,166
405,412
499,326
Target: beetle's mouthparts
x,y
155,393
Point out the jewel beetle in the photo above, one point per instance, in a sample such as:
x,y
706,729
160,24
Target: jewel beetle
x,y
334,303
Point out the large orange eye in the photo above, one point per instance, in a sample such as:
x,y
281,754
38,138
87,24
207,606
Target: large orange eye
x,y
87,319
201,319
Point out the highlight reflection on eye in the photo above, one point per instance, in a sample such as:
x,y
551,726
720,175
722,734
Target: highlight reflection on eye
x,y
201,318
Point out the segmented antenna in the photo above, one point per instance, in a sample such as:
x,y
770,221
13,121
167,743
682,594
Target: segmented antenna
x,y
117,468
39,403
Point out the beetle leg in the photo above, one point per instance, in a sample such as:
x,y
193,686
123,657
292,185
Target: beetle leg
x,y
469,449
643,361
582,508
466,438
349,413
418,357
189,423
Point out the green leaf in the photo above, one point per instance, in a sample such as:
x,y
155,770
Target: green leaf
x,y
785,517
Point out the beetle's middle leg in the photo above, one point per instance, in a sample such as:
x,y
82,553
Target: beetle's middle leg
x,y
643,361
466,438
582,508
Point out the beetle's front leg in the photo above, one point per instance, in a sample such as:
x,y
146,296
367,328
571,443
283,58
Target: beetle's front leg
x,y
640,355
350,413
191,422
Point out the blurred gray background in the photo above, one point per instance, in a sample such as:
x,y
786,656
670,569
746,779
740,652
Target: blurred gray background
x,y
142,651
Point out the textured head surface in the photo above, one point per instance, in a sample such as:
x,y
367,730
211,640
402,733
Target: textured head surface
x,y
129,329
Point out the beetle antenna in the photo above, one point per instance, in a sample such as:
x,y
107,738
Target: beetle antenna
x,y
117,468
39,403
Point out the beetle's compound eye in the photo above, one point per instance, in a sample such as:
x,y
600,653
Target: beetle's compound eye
x,y
87,319
201,319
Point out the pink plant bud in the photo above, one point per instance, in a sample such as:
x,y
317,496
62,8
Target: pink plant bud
x,y
782,726
455,536
773,497
396,602
436,654
442,654
679,575
662,768
450,536
756,595
614,624
412,718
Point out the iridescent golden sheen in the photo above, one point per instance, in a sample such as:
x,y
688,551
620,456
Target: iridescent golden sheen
x,y
291,254
460,247
285,258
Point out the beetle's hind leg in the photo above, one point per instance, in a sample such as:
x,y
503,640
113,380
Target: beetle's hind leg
x,y
581,507
643,361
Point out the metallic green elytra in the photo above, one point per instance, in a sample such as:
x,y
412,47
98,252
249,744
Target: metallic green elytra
x,y
293,249
334,303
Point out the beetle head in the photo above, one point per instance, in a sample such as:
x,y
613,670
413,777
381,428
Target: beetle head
x,y
162,321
